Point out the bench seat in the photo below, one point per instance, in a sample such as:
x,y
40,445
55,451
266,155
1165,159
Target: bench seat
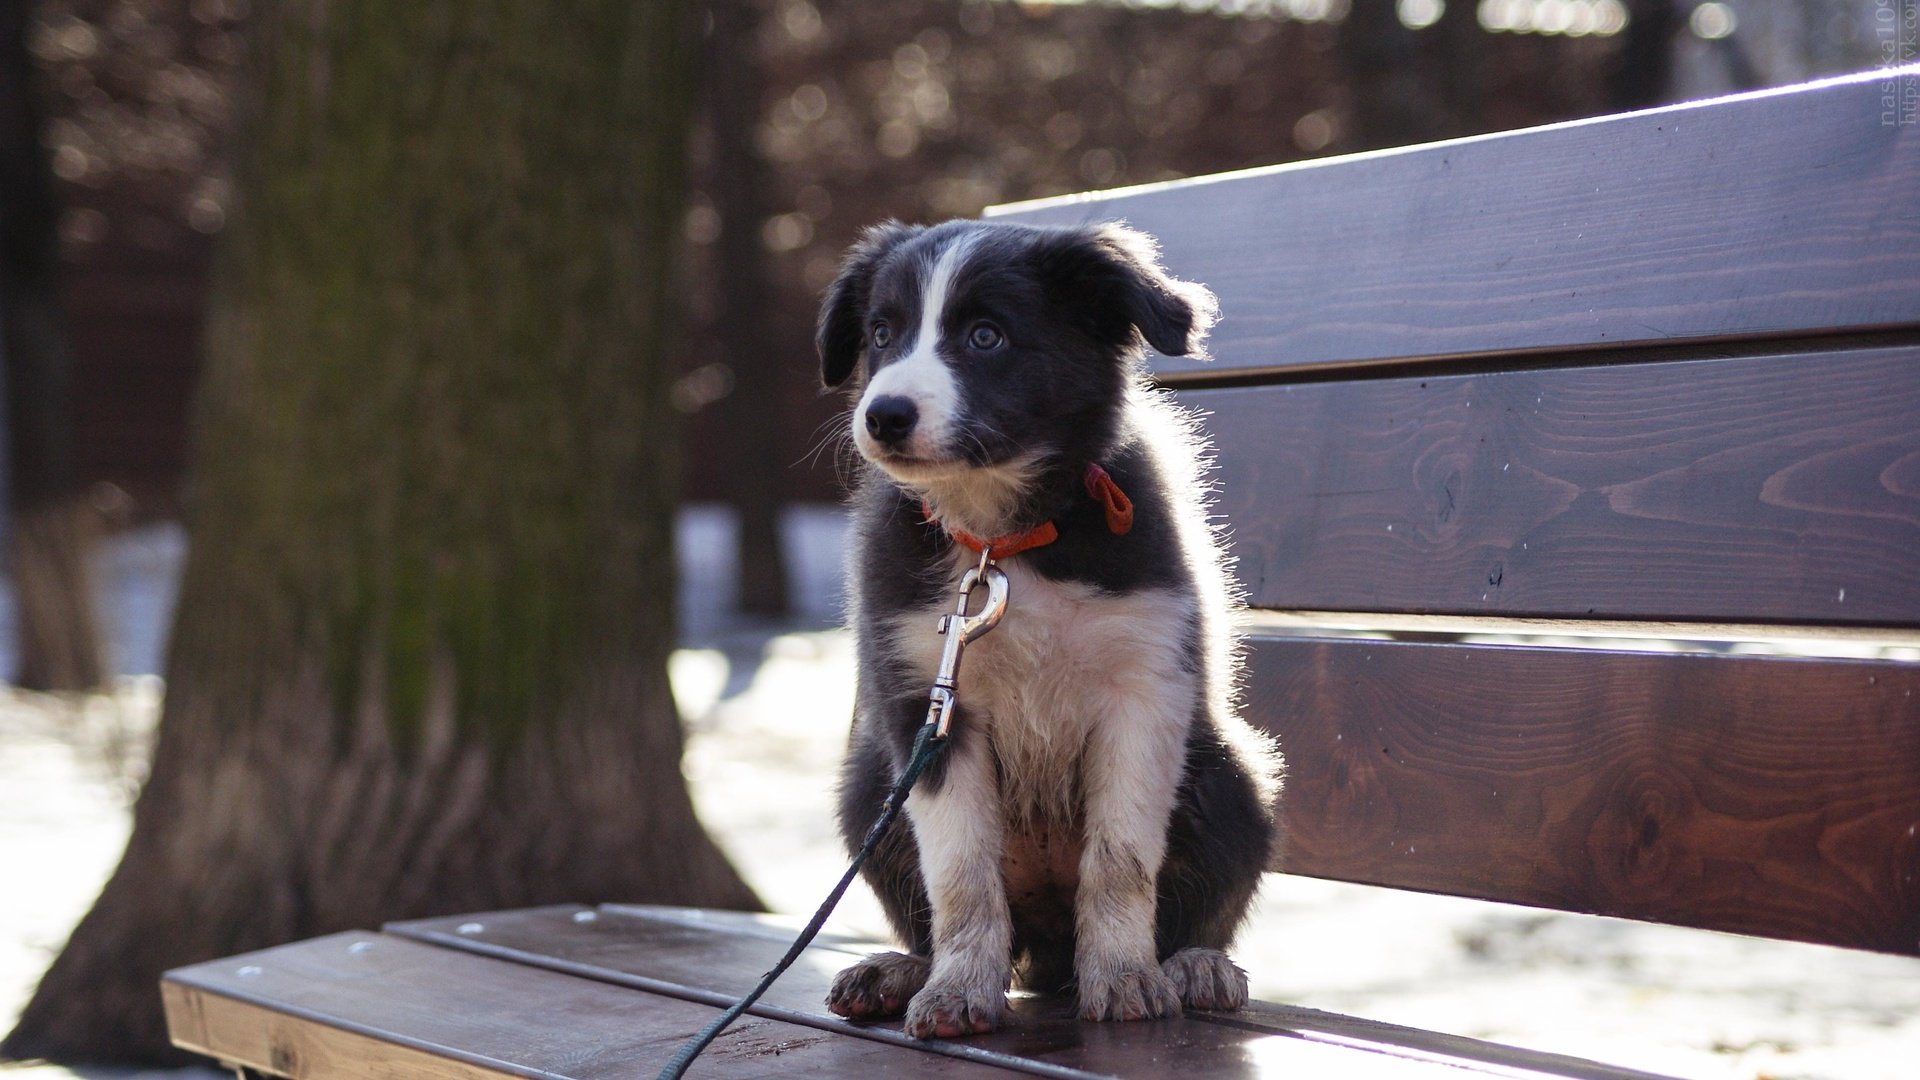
x,y
593,993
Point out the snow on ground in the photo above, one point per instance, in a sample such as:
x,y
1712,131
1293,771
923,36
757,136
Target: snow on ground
x,y
767,711
68,772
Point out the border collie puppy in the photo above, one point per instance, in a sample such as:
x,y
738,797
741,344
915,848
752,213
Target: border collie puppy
x,y
1100,819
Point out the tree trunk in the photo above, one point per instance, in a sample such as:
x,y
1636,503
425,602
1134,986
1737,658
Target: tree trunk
x,y
746,327
58,633
1642,75
1387,101
419,661
52,526
1454,50
1410,86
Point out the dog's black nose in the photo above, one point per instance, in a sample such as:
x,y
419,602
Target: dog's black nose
x,y
890,418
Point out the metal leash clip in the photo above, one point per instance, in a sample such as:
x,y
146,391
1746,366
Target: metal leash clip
x,y
960,629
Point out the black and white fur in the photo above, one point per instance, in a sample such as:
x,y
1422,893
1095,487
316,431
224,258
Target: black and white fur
x,y
1101,819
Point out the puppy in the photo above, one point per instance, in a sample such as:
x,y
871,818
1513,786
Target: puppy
x,y
1100,819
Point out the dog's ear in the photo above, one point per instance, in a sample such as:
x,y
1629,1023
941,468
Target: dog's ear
x,y
1113,272
842,328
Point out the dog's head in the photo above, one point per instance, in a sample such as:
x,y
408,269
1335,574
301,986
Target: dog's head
x,y
975,345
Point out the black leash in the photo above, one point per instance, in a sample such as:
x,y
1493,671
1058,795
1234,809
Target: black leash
x,y
959,629
926,747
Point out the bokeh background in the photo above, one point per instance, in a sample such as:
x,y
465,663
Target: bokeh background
x,y
814,119
827,115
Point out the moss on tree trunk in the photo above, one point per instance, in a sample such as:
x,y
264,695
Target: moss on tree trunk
x,y
419,662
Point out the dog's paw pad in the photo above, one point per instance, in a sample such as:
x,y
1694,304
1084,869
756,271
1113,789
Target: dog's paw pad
x,y
1206,979
880,985
1143,993
940,1012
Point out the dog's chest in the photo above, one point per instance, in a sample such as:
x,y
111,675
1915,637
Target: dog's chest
x,y
1064,656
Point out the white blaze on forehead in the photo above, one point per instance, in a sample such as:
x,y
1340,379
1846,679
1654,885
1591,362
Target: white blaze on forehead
x,y
933,294
922,377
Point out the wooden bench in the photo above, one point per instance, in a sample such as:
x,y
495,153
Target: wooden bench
x,y
1574,475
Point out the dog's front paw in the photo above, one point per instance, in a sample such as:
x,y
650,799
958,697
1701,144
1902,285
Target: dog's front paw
x,y
946,1009
1206,979
880,985
1129,993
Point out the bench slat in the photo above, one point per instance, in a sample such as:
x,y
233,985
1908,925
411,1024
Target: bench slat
x,y
541,993
393,1007
1778,488
1760,795
713,956
1777,213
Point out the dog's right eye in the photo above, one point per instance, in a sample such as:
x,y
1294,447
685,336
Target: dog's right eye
x,y
881,335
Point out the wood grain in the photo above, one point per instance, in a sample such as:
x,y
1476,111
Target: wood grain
x,y
367,1005
1760,795
713,956
273,1043
1759,489
1784,212
544,993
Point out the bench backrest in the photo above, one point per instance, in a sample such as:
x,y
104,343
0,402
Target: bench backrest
x,y
1574,476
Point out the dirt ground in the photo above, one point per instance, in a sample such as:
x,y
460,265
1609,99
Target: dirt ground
x,y
767,714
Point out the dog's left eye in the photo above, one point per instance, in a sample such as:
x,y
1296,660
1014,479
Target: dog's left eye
x,y
985,336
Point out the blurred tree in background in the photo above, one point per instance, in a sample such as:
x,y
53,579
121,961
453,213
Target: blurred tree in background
x,y
419,663
49,522
748,372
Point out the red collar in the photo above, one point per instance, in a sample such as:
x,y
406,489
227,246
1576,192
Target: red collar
x,y
1100,487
